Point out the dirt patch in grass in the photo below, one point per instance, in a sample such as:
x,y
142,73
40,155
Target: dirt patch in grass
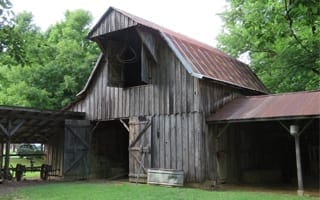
x,y
271,188
8,187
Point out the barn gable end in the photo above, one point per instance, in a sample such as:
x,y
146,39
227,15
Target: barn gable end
x,y
175,84
200,60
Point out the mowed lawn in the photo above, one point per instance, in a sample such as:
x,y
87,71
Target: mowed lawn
x,y
123,191
24,161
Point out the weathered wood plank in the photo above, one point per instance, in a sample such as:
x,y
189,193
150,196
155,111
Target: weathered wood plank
x,y
185,140
178,87
197,146
173,139
167,86
155,142
191,148
180,135
183,91
131,104
162,142
136,101
162,86
142,91
167,142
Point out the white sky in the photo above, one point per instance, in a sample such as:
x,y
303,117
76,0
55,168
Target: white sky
x,y
197,19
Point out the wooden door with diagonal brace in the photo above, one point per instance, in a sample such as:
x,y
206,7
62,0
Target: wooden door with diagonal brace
x,y
139,148
76,149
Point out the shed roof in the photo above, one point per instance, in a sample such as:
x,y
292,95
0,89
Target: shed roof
x,y
200,60
36,125
270,107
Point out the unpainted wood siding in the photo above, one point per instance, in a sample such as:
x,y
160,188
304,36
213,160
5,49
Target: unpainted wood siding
x,y
172,90
55,152
115,21
177,143
214,96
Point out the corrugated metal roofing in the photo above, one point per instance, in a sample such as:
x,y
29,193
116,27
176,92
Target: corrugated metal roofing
x,y
287,105
201,60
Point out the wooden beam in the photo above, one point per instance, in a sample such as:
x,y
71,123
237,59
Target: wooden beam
x,y
140,134
223,130
284,126
13,131
7,160
125,125
305,127
95,127
1,154
4,130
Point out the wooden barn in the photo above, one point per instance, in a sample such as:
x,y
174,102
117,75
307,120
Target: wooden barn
x,y
159,99
154,91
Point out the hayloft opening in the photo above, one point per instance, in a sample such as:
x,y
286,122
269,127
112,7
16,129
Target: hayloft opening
x,y
124,54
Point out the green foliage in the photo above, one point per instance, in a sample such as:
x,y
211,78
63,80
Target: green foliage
x,y
120,191
27,149
5,12
282,38
45,69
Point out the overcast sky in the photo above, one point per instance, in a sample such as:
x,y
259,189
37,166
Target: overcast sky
x,y
197,19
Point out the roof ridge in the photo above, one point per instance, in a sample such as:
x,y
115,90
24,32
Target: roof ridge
x,y
173,33
199,58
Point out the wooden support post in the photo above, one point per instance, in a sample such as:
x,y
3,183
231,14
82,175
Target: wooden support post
x,y
1,155
9,132
299,168
7,159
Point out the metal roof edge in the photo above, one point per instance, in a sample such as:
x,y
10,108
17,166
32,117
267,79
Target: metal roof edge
x,y
235,85
278,118
84,89
185,63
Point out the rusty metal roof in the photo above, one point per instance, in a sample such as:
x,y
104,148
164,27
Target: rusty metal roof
x,y
200,60
286,105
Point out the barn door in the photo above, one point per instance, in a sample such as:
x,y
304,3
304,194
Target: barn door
x,y
222,156
139,148
76,149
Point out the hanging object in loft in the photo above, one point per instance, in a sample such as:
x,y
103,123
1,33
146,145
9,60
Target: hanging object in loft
x,y
127,55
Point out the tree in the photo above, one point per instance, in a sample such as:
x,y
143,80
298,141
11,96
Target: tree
x,y
72,56
282,38
46,70
6,12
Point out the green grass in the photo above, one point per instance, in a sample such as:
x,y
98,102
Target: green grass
x,y
125,191
24,161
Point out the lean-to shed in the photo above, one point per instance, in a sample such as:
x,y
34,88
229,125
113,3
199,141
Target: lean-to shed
x,y
152,89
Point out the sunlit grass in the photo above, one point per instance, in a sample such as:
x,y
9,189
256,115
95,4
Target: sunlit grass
x,y
14,160
126,191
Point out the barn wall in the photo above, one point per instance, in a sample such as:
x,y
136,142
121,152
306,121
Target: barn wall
x,y
115,21
177,101
213,96
177,144
222,152
55,152
172,90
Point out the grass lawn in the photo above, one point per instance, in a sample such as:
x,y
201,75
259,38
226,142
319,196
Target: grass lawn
x,y
24,161
123,191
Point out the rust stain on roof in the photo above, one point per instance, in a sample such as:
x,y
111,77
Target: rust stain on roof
x,y
297,104
204,60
